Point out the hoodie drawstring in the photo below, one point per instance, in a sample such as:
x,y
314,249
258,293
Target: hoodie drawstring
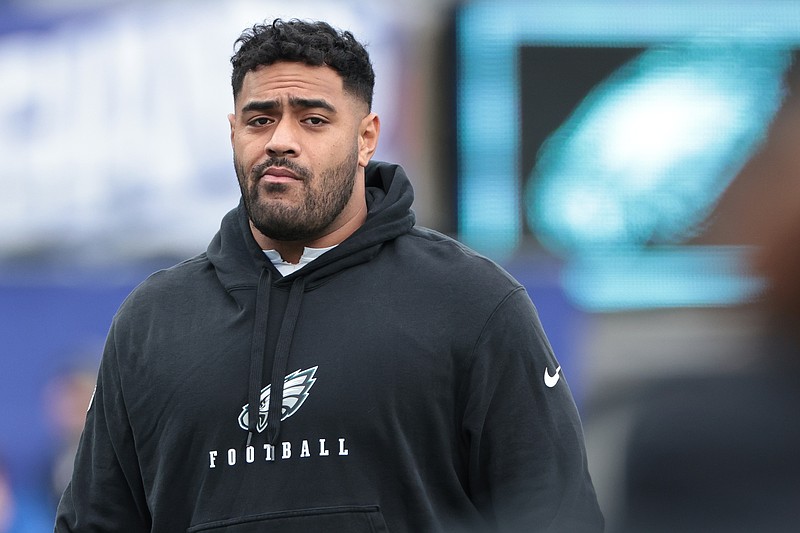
x,y
282,347
279,364
257,347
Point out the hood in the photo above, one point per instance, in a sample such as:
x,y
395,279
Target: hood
x,y
249,277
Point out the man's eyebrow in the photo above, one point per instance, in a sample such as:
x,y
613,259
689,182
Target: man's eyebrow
x,y
261,105
311,103
294,101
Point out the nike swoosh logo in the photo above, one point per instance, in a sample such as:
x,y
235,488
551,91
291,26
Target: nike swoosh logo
x,y
549,380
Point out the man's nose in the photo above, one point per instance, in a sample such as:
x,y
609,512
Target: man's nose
x,y
283,141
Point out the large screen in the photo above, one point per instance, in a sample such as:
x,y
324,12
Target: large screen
x,y
606,134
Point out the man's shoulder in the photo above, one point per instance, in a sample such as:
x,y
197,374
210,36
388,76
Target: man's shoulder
x,y
428,239
437,253
176,275
164,284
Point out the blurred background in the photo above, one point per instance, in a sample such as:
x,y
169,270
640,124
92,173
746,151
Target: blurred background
x,y
625,160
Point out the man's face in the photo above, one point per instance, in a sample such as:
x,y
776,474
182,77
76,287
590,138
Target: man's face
x,y
299,150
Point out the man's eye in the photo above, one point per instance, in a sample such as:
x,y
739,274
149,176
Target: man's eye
x,y
315,121
259,121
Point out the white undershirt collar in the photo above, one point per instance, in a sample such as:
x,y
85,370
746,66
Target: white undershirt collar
x,y
286,268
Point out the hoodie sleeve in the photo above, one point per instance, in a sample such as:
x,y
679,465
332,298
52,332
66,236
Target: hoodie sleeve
x,y
527,459
106,491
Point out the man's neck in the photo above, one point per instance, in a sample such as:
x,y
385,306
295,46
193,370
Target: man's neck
x,y
292,251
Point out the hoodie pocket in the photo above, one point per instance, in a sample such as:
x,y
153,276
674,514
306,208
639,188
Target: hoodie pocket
x,y
350,519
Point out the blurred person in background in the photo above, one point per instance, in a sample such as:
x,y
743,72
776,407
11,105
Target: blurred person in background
x,y
20,512
326,365
721,453
66,398
6,501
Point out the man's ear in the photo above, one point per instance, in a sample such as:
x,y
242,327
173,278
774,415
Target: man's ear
x,y
368,132
232,120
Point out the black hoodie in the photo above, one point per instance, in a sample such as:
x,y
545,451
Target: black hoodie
x,y
398,382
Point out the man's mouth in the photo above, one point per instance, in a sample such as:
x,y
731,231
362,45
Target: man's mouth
x,y
279,175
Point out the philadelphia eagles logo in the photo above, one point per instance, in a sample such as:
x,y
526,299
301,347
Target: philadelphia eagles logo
x,y
295,391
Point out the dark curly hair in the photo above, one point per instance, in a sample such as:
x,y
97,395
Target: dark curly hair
x,y
312,43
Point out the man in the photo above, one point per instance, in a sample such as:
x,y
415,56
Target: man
x,y
326,365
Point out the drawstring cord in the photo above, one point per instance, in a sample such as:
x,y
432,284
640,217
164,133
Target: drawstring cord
x,y
279,365
285,336
257,347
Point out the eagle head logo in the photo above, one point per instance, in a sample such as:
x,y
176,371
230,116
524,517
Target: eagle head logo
x,y
295,391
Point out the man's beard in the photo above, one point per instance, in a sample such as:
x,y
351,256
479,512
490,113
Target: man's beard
x,y
324,197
